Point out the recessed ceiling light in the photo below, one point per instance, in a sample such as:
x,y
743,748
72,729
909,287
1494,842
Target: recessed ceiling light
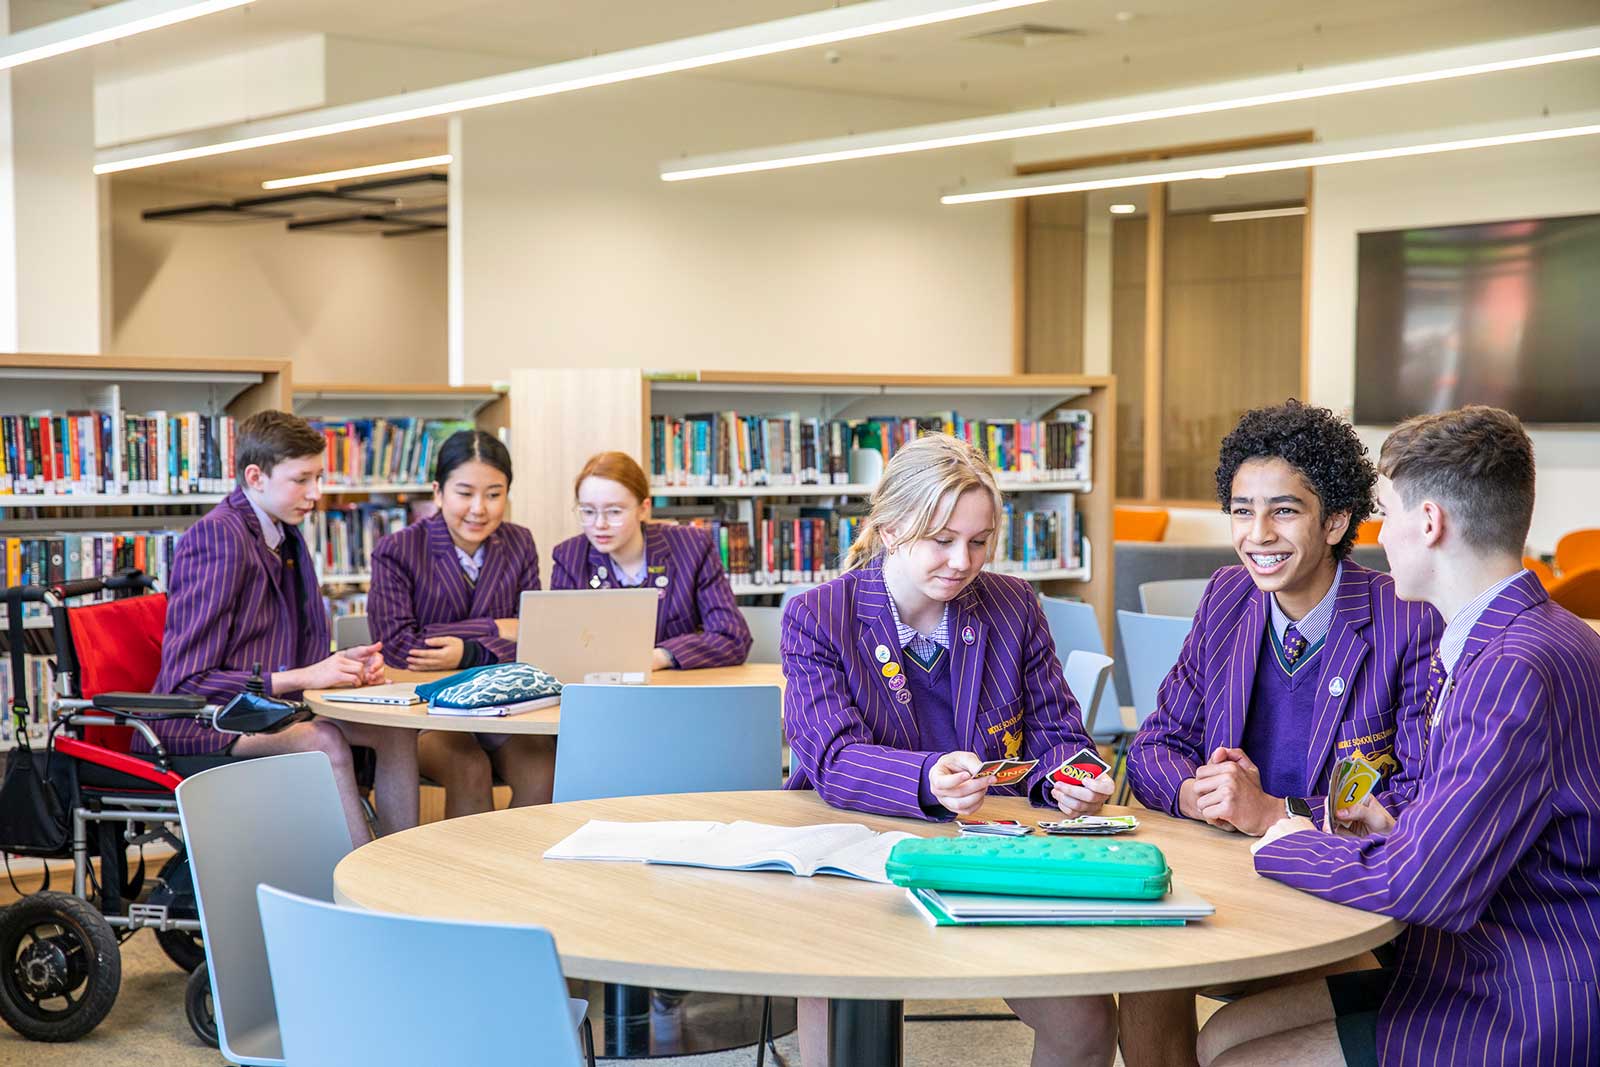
x,y
359,172
1258,213
1124,209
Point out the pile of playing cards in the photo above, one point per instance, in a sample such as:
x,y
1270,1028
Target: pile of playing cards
x,y
1092,825
992,828
1006,771
1353,779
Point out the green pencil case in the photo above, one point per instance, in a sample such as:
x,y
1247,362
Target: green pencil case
x,y
1032,866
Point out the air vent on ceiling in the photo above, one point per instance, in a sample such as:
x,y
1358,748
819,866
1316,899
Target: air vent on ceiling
x,y
1028,35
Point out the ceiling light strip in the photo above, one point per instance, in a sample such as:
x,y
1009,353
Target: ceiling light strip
x,y
1291,157
110,23
1258,213
358,172
1393,71
689,53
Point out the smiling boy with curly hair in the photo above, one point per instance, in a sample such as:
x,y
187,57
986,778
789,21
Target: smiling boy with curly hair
x,y
1298,657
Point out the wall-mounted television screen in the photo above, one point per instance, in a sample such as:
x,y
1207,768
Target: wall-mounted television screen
x,y
1502,313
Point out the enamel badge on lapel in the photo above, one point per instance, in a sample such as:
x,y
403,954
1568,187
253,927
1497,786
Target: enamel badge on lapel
x,y
600,572
1336,687
661,582
594,583
881,653
967,635
903,695
891,669
898,682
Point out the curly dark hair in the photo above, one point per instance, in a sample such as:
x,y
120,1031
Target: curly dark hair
x,y
1314,441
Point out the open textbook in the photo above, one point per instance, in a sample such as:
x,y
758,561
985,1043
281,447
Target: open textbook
x,y
847,849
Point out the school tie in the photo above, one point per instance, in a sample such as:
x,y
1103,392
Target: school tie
x,y
289,552
1293,645
1430,699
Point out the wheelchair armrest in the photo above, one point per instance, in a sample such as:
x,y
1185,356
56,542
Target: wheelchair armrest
x,y
151,703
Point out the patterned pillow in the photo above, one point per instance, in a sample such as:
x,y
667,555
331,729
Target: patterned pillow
x,y
490,686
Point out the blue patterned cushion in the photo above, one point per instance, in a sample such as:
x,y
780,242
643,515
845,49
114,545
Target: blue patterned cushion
x,y
490,686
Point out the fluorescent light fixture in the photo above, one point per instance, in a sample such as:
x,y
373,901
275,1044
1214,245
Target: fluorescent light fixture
x,y
689,53
1345,78
110,23
1123,209
1291,157
358,172
1259,213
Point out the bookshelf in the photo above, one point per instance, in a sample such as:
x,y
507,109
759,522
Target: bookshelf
x,y
617,407
100,509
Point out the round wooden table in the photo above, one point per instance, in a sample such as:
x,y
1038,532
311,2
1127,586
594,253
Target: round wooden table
x,y
539,721
861,945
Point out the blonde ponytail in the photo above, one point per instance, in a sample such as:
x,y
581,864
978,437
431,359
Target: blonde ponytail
x,y
918,492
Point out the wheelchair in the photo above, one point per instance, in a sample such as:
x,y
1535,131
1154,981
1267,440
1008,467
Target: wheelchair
x,y
60,962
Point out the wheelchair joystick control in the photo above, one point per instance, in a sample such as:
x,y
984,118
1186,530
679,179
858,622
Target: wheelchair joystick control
x,y
253,712
254,684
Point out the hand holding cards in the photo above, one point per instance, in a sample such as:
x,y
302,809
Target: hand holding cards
x,y
1006,771
1081,783
1353,780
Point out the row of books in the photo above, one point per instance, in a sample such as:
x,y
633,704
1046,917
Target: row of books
x,y
725,448
38,698
400,451
79,452
811,545
341,539
48,558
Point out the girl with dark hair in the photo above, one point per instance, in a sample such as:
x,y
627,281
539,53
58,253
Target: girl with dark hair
x,y
444,596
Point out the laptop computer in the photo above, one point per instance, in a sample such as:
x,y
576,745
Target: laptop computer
x,y
595,636
399,694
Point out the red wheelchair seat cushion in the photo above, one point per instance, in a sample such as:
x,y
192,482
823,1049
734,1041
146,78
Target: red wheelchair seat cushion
x,y
118,644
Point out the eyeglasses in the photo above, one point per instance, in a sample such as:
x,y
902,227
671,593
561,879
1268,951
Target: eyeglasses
x,y
589,516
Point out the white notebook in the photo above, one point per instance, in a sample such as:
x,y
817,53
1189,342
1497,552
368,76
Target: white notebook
x,y
497,709
847,849
1178,907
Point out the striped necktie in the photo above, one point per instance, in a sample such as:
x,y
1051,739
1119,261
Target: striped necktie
x,y
1293,645
1430,699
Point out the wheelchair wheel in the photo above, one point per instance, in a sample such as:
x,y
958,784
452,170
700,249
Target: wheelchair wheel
x,y
175,889
198,1007
60,967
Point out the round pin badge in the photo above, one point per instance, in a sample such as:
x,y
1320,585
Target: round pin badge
x,y
903,696
968,636
661,582
600,572
881,653
891,669
1336,687
898,682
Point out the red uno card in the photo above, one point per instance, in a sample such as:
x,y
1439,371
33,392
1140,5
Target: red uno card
x,y
1080,767
1006,771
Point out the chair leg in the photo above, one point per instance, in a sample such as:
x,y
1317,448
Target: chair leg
x,y
766,1031
587,1030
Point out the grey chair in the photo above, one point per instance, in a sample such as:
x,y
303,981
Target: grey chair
x,y
763,623
794,590
350,631
1075,627
1152,644
1087,674
1174,596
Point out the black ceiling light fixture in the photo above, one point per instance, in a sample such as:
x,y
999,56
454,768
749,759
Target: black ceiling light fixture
x,y
393,207
364,222
212,213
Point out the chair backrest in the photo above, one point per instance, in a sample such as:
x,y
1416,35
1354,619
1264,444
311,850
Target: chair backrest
x,y
1087,673
1139,524
1579,593
1540,569
275,819
793,590
1176,596
364,988
764,624
1151,644
115,648
1074,626
635,740
1578,550
350,631
1367,532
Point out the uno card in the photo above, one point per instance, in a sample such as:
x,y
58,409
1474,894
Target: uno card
x,y
1007,771
992,827
1080,767
1092,825
1353,779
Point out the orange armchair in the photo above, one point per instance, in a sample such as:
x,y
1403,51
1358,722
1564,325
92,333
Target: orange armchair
x,y
1579,593
1140,524
1577,551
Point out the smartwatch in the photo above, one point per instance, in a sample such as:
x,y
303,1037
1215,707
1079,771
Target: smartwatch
x,y
1293,806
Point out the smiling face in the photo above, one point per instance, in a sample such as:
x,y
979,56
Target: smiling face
x,y
473,502
1280,533
291,491
945,562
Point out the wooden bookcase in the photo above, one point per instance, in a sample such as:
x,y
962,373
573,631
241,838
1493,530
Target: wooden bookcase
x,y
565,416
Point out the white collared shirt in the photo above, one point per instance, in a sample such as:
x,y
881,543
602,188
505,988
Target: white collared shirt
x,y
271,528
1316,623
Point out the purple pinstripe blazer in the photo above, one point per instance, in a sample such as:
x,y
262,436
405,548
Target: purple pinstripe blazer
x,y
419,591
858,746
1378,648
1496,862
228,608
698,621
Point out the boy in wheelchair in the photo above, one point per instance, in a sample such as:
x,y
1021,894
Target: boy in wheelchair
x,y
243,598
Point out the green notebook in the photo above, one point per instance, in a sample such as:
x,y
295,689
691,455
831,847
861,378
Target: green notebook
x,y
1032,866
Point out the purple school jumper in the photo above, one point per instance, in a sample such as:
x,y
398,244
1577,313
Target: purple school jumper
x,y
698,620
419,589
1369,690
863,748
229,607
1496,862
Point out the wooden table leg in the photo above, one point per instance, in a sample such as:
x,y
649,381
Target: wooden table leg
x,y
865,1033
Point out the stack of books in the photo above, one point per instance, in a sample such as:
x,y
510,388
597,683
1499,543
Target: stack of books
x,y
395,451
44,559
82,452
341,539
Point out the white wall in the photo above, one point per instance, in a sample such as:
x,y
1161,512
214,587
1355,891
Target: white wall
x,y
344,308
1553,178
574,253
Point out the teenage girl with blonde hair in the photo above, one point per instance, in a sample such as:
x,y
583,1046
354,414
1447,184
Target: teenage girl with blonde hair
x,y
905,673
